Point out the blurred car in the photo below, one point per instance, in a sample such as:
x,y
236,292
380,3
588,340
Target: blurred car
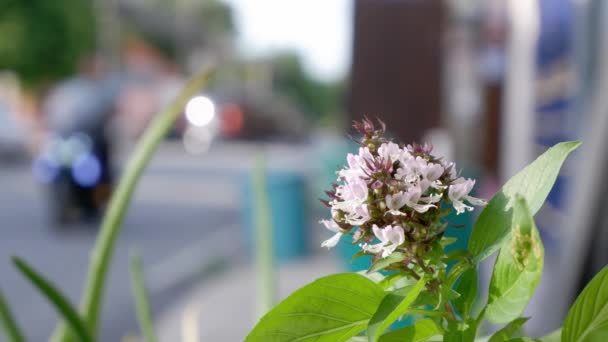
x,y
13,144
247,115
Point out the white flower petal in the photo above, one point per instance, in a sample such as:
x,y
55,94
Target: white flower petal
x,y
461,207
396,201
379,233
476,201
423,208
331,225
332,241
395,235
372,248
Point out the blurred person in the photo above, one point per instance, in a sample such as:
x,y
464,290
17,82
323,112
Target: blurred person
x,y
76,159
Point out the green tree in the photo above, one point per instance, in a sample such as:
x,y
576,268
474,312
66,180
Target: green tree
x,y
315,98
43,40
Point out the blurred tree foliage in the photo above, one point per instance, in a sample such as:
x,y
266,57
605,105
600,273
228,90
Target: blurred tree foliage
x,y
43,40
216,18
316,98
202,22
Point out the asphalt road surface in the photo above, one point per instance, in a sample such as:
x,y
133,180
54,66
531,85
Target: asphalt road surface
x,y
178,209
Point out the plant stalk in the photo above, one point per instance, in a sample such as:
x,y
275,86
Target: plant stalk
x,y
263,246
112,220
8,322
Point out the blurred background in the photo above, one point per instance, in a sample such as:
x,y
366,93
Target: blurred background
x,y
491,84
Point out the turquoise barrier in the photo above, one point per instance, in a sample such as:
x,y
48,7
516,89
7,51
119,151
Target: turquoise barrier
x,y
289,214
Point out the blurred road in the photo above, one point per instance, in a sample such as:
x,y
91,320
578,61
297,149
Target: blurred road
x,y
179,209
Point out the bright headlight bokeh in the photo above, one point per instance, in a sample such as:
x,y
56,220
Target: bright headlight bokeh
x,y
200,111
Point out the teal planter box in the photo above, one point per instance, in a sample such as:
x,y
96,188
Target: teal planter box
x,y
289,215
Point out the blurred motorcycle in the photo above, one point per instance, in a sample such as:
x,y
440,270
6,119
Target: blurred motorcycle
x,y
77,172
75,161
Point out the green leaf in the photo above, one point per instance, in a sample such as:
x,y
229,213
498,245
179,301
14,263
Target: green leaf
x,y
140,294
523,339
517,269
8,322
61,304
421,331
330,309
587,320
534,183
467,288
382,263
507,332
392,307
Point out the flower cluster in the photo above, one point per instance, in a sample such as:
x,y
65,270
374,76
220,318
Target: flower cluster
x,y
392,197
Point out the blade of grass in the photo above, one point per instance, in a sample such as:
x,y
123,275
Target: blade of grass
x,y
8,322
263,238
140,294
112,220
52,294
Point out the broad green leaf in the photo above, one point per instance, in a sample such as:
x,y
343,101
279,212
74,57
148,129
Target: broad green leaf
x,y
140,294
517,269
382,263
61,304
533,183
587,320
422,330
8,322
507,332
467,288
331,309
391,308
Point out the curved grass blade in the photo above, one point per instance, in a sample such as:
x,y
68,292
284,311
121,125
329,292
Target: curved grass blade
x,y
140,294
8,322
112,220
61,304
264,264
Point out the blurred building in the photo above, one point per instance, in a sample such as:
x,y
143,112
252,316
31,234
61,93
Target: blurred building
x,y
397,63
